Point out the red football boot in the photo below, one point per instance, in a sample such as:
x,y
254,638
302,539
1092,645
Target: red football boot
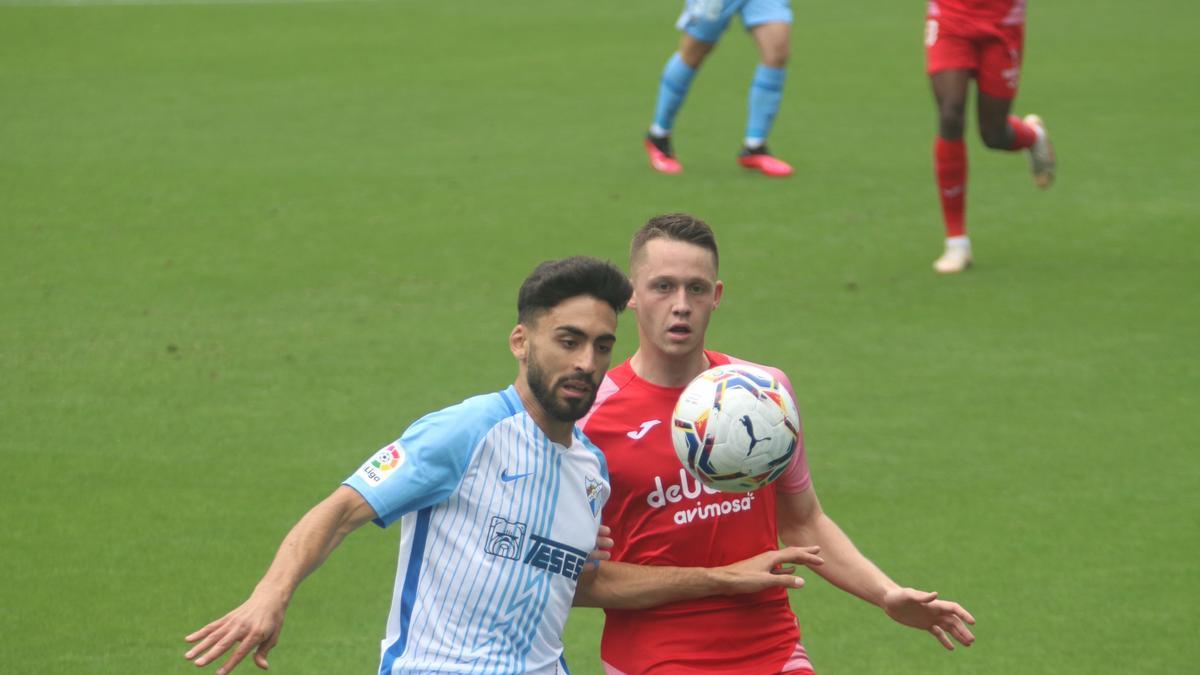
x,y
761,159
662,160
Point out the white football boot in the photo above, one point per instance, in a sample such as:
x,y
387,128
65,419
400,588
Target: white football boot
x,y
1041,153
956,258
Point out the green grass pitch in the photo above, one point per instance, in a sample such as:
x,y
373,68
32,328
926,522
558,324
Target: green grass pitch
x,y
243,245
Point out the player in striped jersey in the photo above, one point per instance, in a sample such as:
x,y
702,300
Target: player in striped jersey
x,y
499,499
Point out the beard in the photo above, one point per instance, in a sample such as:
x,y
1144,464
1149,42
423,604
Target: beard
x,y
568,410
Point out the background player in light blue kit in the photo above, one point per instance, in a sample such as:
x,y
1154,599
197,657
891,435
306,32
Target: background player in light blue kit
x,y
702,22
499,499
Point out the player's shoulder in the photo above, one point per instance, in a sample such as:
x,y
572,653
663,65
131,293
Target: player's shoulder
x,y
474,416
775,371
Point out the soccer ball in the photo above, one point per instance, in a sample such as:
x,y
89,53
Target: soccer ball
x,y
735,428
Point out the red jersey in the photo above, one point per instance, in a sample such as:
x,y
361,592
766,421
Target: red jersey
x,y
1002,12
661,515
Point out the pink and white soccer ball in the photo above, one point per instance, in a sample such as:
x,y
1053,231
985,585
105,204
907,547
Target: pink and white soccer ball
x,y
735,428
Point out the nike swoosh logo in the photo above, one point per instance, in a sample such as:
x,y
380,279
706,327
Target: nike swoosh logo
x,y
504,476
953,191
646,426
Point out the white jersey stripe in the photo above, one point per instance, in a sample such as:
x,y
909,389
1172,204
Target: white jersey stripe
x,y
538,604
453,597
486,611
528,584
475,624
490,621
502,609
412,576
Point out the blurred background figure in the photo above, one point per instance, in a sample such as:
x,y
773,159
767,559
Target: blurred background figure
x,y
703,22
980,39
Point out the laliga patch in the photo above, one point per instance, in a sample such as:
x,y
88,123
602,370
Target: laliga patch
x,y
383,465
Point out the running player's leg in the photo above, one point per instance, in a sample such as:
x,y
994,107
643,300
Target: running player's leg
x,y
999,74
769,23
950,166
999,129
951,59
702,23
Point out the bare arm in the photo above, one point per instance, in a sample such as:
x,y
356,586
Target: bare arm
x,y
256,623
801,520
616,585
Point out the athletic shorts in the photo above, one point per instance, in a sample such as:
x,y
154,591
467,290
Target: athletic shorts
x,y
706,20
991,51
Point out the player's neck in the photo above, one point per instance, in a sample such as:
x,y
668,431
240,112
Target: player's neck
x,y
556,430
668,370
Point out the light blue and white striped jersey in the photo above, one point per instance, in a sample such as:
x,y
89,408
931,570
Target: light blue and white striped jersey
x,y
496,522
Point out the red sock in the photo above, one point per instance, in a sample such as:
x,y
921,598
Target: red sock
x,y
1024,135
950,167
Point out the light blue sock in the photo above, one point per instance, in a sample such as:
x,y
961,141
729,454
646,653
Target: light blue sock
x,y
766,91
672,88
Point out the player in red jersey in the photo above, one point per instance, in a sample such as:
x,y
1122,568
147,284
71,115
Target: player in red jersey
x,y
660,515
983,39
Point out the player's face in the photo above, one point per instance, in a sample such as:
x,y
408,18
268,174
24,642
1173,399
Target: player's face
x,y
568,351
675,290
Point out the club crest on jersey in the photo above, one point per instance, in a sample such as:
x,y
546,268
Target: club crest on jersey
x,y
506,538
592,489
383,465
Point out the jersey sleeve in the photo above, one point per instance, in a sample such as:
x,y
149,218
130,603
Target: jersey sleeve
x,y
420,469
796,478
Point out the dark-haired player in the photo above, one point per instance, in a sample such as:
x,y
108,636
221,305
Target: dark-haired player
x,y
499,499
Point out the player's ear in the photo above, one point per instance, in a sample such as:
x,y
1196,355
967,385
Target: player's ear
x,y
632,304
718,291
518,341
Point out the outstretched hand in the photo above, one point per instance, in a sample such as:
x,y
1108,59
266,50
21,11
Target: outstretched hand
x,y
255,625
768,570
922,610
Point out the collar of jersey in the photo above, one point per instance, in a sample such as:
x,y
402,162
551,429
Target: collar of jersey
x,y
714,359
513,400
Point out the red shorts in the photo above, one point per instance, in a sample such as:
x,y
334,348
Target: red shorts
x,y
991,51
